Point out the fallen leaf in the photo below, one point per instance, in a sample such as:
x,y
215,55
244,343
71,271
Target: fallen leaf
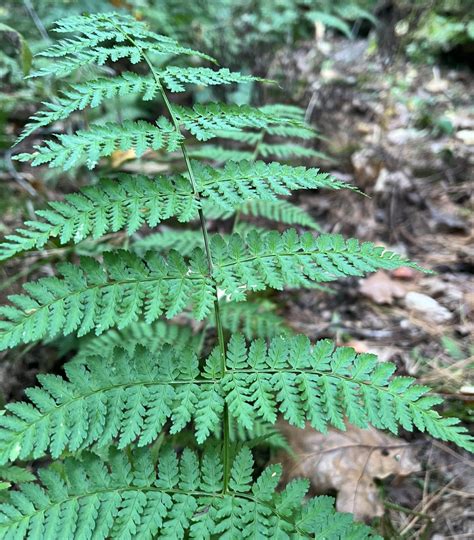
x,y
404,272
381,289
348,462
121,156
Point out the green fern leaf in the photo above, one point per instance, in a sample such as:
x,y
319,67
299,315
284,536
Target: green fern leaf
x,y
102,140
279,210
127,203
117,293
242,181
100,297
127,497
183,241
219,154
288,151
152,336
94,93
126,398
131,201
208,121
275,260
104,37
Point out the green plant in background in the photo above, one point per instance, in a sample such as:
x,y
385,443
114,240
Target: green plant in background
x,y
437,27
109,424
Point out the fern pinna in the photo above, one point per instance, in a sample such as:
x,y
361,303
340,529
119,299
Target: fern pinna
x,y
109,424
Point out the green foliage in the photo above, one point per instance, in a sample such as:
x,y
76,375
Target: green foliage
x,y
119,397
126,497
144,382
133,201
98,141
94,93
279,210
96,296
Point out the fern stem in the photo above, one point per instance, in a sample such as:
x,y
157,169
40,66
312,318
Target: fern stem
x,y
217,313
203,224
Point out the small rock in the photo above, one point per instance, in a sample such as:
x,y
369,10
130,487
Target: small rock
x,y
392,180
466,136
404,135
427,307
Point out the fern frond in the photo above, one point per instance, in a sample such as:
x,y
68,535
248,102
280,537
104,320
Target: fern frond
x,y
289,150
281,211
185,242
278,210
90,94
324,385
102,140
117,293
255,318
128,496
262,433
104,37
275,260
239,182
175,78
113,205
101,296
110,397
130,202
94,93
286,111
152,336
127,398
208,121
219,154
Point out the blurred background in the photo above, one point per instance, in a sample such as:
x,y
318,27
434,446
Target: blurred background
x,y
388,85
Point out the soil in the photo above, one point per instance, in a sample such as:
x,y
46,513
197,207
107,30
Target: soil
x,y
403,134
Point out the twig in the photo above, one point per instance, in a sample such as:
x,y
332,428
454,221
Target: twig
x,y
430,503
394,506
17,176
38,22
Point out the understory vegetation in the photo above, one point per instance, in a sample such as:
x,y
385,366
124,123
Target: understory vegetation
x,y
177,369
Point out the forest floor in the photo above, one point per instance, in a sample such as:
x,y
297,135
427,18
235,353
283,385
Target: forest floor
x,y
404,135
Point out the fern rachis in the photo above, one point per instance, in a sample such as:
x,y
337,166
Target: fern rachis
x,y
109,424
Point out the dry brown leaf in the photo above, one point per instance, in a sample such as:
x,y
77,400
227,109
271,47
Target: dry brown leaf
x,y
119,157
381,289
404,273
348,462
